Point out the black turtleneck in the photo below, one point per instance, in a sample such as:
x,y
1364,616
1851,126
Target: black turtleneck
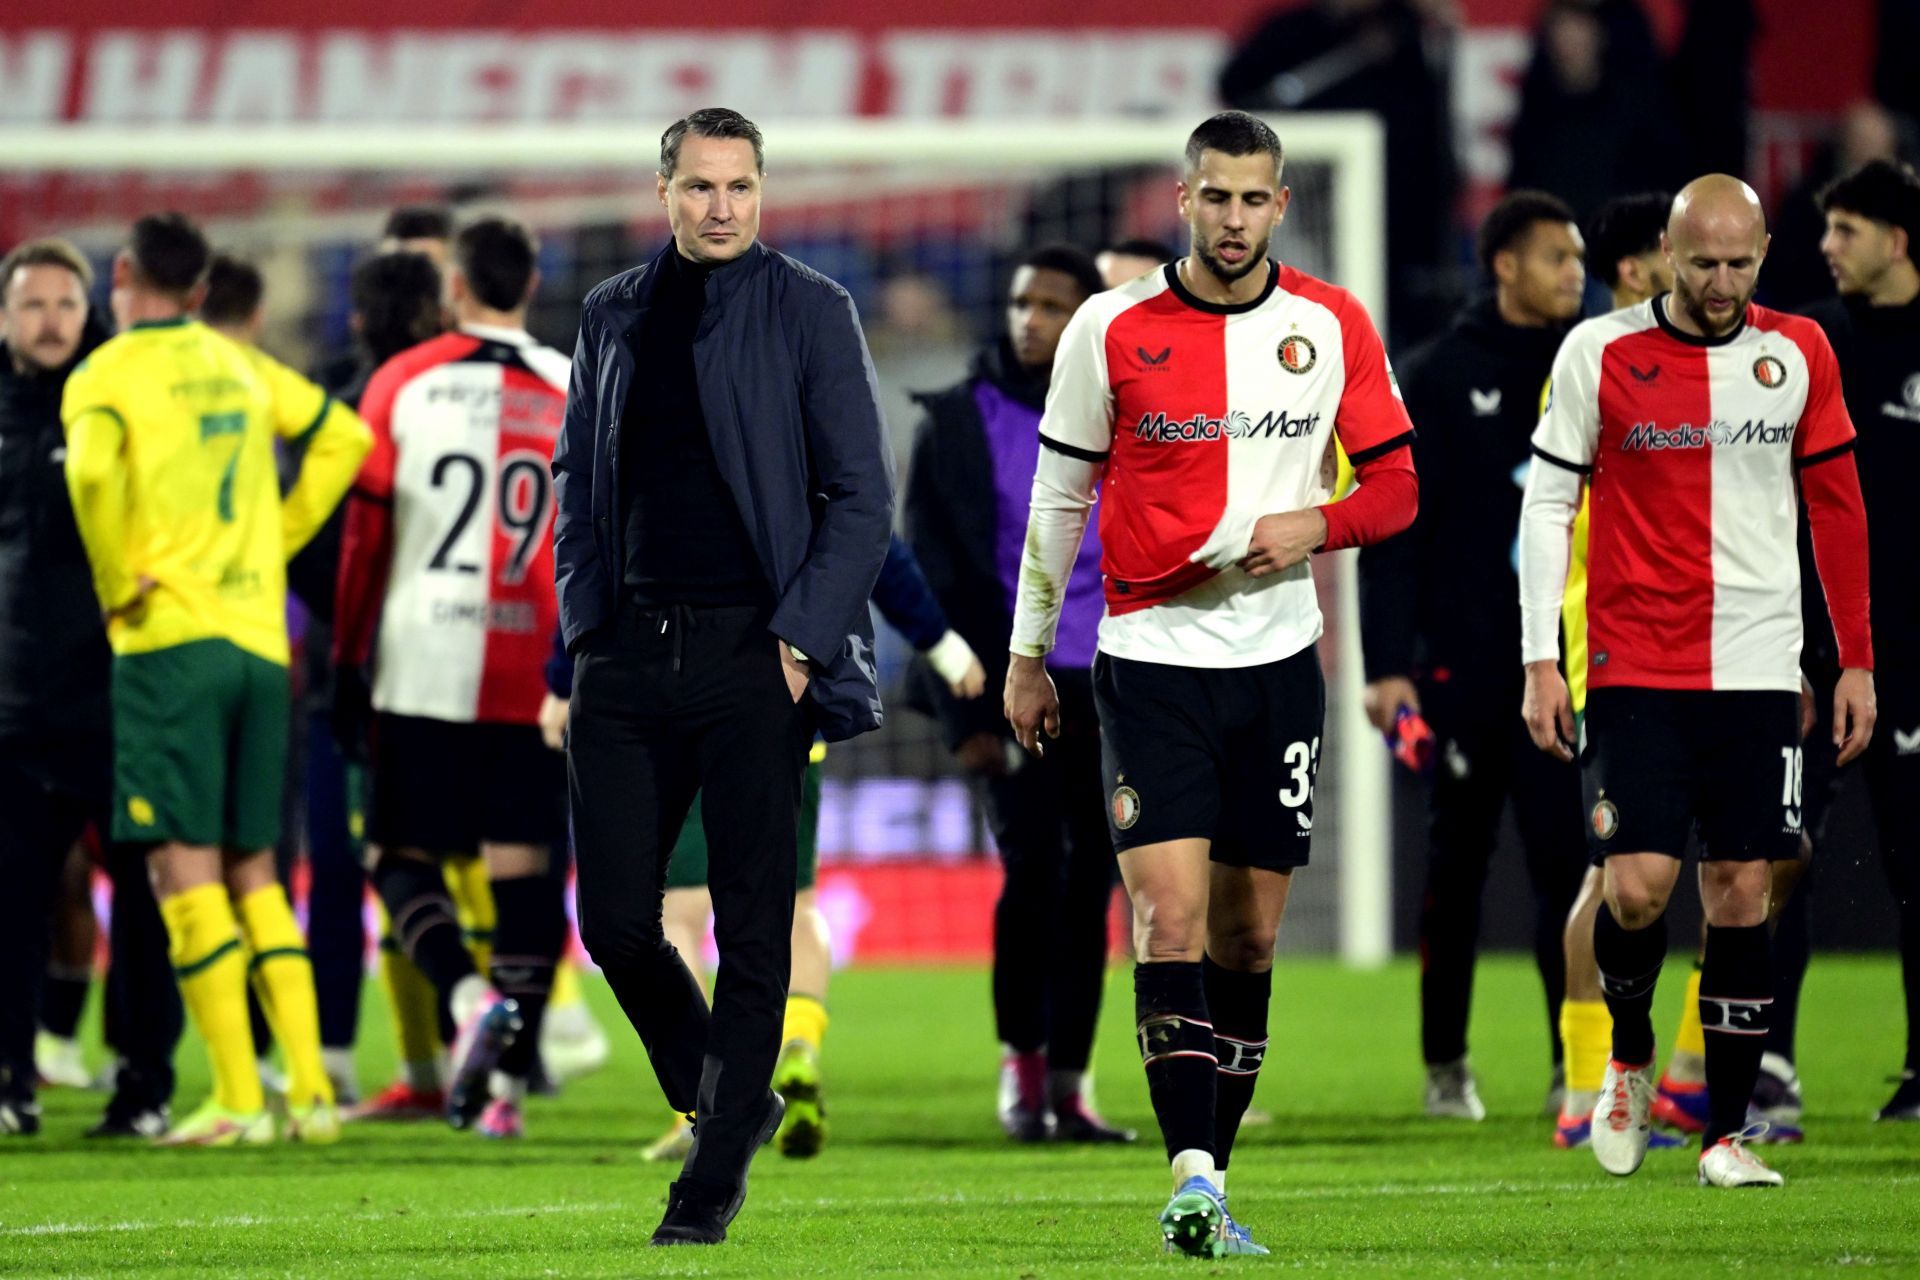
x,y
685,542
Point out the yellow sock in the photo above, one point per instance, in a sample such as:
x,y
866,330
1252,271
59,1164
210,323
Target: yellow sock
x,y
413,1004
283,978
566,987
472,895
806,1022
203,944
1586,1036
1690,1038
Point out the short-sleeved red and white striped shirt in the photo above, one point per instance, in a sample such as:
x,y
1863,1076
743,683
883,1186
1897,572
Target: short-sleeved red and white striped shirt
x,y
1693,580
1209,416
448,547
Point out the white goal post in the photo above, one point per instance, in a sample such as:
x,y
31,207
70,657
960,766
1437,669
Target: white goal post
x,y
1352,146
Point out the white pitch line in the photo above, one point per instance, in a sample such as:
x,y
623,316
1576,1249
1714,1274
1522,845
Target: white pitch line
x,y
1607,1186
256,1220
855,1203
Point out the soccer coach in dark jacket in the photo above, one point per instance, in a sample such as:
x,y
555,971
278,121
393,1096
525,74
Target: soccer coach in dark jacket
x,y
725,496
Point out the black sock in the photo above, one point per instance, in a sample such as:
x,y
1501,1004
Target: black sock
x,y
62,999
1629,962
527,938
424,927
1792,949
1176,1045
1736,1001
1238,1003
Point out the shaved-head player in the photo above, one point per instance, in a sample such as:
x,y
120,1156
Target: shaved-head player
x,y
1703,421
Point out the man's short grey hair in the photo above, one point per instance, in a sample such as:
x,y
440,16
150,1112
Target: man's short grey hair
x,y
710,122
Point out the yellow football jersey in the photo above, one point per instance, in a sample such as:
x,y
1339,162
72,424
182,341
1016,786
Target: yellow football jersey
x,y
1573,611
170,463
1573,607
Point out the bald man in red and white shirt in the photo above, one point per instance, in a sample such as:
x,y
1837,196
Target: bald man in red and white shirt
x,y
1201,401
1701,422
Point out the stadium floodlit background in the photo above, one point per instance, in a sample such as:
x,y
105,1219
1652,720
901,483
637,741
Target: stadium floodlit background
x,y
914,153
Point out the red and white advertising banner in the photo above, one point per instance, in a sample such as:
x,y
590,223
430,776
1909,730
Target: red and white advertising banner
x,y
516,61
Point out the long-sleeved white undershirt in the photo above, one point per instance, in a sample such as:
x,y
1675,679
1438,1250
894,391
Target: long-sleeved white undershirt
x,y
1547,513
1064,488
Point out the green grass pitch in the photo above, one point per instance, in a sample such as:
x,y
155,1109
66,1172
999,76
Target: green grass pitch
x,y
916,1179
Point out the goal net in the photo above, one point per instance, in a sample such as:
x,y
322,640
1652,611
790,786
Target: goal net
x,y
922,222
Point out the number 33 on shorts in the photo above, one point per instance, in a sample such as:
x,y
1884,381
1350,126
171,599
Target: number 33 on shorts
x,y
1300,765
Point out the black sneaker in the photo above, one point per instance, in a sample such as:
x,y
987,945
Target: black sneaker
x,y
19,1117
1905,1103
1028,1124
1075,1121
132,1122
698,1212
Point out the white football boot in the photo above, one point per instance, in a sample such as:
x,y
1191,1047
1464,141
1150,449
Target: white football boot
x,y
1622,1119
1728,1163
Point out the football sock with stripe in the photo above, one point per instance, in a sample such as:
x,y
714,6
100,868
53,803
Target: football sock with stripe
x,y
283,979
1586,1037
531,931
1736,1001
1238,1004
424,927
1177,1048
413,1006
471,889
209,963
1629,961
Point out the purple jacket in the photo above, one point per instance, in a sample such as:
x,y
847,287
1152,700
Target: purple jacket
x,y
965,512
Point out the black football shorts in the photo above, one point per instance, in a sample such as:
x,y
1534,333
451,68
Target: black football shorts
x,y
1656,764
1222,754
446,788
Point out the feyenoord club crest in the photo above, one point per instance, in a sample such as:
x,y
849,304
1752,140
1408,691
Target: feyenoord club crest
x,y
1126,807
1606,819
1297,353
1769,372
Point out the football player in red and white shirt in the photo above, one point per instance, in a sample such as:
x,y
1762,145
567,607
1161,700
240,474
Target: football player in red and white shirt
x,y
1200,400
1703,422
446,585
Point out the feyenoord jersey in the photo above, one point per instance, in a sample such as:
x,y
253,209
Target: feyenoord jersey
x,y
464,428
1691,445
1210,416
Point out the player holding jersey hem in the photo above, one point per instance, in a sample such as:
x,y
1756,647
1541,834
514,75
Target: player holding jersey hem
x,y
1695,415
1200,398
447,556
170,463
